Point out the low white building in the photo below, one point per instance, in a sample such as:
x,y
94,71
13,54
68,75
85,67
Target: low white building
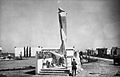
x,y
19,51
26,51
34,50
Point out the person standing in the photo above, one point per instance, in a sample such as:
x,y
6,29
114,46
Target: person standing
x,y
44,62
81,56
21,55
74,67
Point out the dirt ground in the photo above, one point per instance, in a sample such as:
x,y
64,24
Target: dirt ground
x,y
93,69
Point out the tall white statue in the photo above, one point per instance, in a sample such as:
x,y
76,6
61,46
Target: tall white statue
x,y
63,35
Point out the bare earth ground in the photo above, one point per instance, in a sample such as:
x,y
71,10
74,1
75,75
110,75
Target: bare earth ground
x,y
93,69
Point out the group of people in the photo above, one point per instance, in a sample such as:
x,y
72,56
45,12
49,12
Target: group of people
x,y
46,64
52,63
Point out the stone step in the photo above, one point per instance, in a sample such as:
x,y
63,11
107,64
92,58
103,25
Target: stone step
x,y
59,74
49,69
54,71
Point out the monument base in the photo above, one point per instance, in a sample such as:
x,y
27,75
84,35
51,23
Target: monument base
x,y
55,71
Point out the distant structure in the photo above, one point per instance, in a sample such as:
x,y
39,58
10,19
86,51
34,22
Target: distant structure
x,y
101,51
1,50
26,51
115,53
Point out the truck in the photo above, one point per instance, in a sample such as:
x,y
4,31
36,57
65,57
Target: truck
x,y
115,52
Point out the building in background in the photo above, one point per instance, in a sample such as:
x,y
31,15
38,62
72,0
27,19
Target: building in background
x,y
19,51
34,50
26,51
102,51
1,50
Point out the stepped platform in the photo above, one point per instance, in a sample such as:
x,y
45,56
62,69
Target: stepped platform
x,y
55,71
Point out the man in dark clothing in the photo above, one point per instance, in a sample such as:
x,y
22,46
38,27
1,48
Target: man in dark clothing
x,y
74,68
81,57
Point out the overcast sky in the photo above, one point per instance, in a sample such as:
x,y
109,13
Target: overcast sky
x,y
90,23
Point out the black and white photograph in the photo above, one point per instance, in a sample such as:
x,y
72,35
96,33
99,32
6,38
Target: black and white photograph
x,y
59,38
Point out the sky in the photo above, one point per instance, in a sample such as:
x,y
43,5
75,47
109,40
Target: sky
x,y
90,23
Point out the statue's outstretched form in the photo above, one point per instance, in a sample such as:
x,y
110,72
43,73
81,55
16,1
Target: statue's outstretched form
x,y
63,35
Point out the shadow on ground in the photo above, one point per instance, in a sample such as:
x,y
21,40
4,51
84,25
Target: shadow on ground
x,y
115,64
90,61
32,72
21,68
2,75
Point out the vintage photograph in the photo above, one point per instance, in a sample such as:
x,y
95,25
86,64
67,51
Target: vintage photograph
x,y
59,38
